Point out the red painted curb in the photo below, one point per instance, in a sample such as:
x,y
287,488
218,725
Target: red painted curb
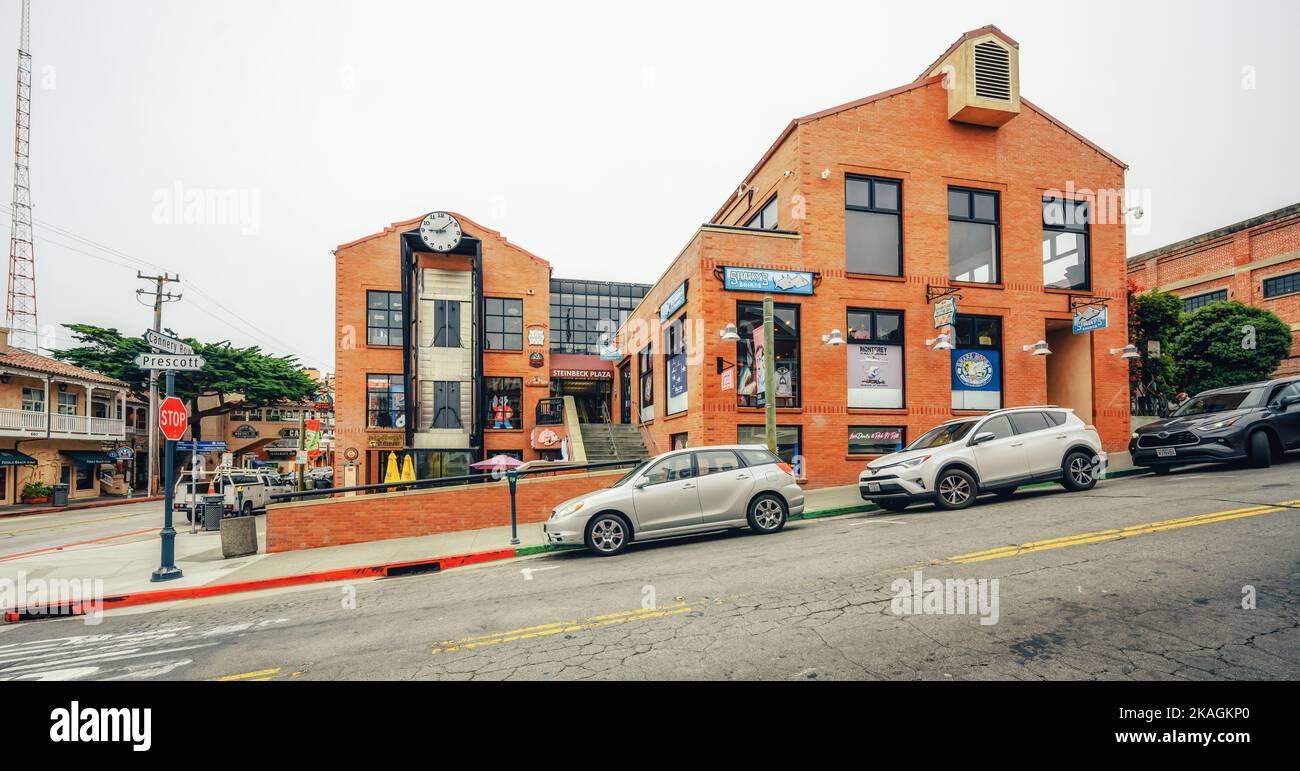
x,y
385,570
78,507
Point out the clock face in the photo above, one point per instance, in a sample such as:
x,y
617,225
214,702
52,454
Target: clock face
x,y
440,232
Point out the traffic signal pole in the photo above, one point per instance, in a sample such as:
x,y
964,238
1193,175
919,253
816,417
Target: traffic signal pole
x,y
168,571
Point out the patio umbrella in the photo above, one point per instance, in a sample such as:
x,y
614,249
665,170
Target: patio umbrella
x,y
390,473
497,463
408,469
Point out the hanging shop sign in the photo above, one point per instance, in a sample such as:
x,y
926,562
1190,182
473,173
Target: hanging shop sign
x,y
875,376
536,337
945,311
729,379
385,441
548,437
245,432
610,353
674,302
763,280
536,360
1090,318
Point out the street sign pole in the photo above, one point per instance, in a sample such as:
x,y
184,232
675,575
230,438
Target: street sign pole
x,y
168,571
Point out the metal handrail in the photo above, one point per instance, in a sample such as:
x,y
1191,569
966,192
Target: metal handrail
x,y
488,476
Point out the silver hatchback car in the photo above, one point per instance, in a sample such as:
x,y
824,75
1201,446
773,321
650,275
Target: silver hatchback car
x,y
682,492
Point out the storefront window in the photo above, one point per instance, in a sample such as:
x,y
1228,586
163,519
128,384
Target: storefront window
x,y
646,382
876,440
977,363
86,476
789,443
749,317
385,401
875,359
680,441
675,367
1065,244
505,396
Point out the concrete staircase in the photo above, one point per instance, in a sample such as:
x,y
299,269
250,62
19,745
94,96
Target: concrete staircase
x,y
611,441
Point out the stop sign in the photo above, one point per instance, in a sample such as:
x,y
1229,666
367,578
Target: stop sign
x,y
172,418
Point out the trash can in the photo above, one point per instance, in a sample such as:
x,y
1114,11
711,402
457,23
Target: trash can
x,y
212,506
60,495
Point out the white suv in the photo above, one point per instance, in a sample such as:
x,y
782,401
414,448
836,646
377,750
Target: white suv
x,y
995,453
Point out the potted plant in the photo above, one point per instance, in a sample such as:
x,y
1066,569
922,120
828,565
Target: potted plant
x,y
37,492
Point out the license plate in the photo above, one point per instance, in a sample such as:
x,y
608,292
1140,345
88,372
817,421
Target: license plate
x,y
1166,452
873,488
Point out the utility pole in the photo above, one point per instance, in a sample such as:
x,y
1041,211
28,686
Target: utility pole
x,y
302,448
769,372
159,297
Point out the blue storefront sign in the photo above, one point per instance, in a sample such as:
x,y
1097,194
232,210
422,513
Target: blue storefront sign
x,y
674,302
200,447
1090,318
976,369
764,280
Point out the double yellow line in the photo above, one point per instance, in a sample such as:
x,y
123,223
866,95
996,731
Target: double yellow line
x,y
1126,532
260,676
545,630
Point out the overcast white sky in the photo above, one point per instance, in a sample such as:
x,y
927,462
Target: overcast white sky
x,y
597,135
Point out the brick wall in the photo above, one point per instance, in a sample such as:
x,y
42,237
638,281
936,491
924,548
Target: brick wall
x,y
339,521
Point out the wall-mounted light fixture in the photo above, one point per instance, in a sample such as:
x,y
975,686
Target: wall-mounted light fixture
x,y
1038,349
834,339
1127,352
729,333
941,343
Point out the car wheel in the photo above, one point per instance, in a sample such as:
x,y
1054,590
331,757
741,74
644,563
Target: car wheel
x,y
955,490
1161,471
247,510
1006,492
766,514
608,534
892,505
1260,451
1079,472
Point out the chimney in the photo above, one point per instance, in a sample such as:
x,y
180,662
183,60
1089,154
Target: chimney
x,y
982,77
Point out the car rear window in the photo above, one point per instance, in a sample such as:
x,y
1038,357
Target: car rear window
x,y
1057,418
1027,422
758,457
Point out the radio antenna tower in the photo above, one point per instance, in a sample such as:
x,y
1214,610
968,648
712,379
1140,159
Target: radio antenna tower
x,y
20,309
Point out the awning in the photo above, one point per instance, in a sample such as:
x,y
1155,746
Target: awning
x,y
89,457
15,458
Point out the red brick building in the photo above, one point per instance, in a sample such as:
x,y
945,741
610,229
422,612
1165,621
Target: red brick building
x,y
447,360
855,218
1256,262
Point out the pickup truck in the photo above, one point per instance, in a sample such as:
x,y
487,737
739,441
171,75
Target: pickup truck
x,y
228,484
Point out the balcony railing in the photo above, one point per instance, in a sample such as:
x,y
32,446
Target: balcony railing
x,y
25,423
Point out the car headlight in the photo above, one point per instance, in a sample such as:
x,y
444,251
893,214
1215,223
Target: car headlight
x,y
572,508
905,465
1133,435
1215,425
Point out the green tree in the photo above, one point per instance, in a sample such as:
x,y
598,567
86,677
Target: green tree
x,y
1228,343
1153,316
238,378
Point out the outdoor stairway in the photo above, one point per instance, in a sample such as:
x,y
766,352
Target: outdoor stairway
x,y
610,441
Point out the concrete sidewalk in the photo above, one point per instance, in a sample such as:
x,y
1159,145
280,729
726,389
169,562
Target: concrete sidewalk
x,y
124,563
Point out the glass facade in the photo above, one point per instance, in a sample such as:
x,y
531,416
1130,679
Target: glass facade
x,y
581,311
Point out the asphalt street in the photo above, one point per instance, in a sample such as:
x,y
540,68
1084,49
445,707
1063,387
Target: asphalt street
x,y
1143,578
36,532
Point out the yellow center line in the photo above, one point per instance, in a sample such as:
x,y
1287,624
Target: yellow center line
x,y
545,630
260,675
1116,534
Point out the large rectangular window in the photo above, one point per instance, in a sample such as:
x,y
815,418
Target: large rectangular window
x,y
384,318
446,404
1280,285
876,440
789,442
385,401
505,324
645,367
33,400
977,363
873,226
446,323
765,218
786,357
973,235
505,397
67,404
1065,244
675,367
875,359
583,311
1201,300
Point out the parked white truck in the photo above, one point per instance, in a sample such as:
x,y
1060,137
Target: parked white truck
x,y
244,491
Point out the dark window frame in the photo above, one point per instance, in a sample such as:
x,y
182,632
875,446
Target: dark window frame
x,y
998,346
1197,301
645,369
872,208
388,309
517,403
1084,231
674,333
505,336
799,448
877,340
761,216
743,344
444,327
903,441
1289,284
394,412
996,223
